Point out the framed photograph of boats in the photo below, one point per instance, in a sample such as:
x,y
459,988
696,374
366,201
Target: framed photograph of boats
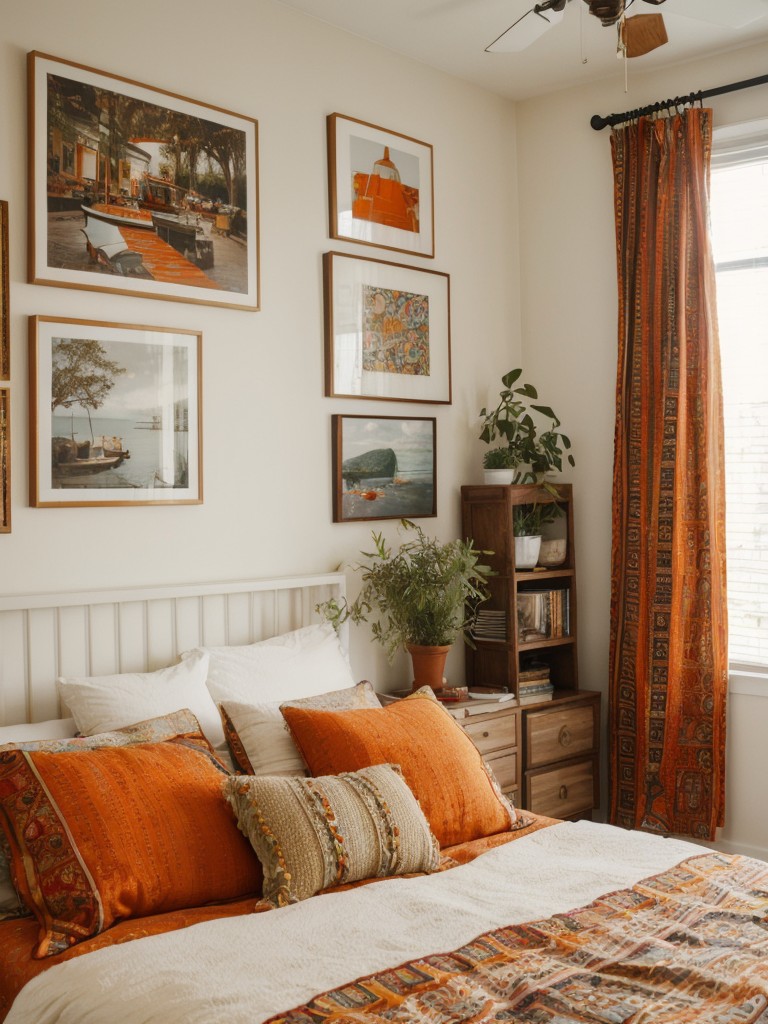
x,y
5,460
384,467
5,294
380,187
387,330
139,191
115,414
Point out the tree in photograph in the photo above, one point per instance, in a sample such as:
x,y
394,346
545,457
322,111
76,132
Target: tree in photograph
x,y
81,374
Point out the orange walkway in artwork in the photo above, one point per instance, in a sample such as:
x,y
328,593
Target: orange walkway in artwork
x,y
162,260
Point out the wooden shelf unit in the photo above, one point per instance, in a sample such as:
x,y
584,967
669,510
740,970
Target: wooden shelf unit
x,y
558,738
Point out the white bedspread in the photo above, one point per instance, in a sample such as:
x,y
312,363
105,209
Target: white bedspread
x,y
244,970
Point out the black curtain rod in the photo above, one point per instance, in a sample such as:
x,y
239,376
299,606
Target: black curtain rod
x,y
598,122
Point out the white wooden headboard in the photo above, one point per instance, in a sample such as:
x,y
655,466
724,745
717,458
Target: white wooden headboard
x,y
101,632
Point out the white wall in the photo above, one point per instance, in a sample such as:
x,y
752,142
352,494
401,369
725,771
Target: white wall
x,y
568,284
267,451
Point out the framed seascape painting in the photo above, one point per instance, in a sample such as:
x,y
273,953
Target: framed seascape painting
x,y
5,331
384,467
115,414
380,186
139,191
387,330
5,460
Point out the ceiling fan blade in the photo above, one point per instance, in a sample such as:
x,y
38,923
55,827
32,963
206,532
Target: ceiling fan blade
x,y
642,33
733,14
524,31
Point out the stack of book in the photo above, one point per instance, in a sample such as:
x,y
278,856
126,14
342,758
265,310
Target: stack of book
x,y
534,684
543,614
490,625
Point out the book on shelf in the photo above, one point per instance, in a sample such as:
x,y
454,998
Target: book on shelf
x,y
489,624
538,697
533,671
543,614
539,687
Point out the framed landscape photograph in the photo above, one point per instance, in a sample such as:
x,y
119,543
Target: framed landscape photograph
x,y
139,191
115,414
5,293
5,460
387,330
384,467
380,187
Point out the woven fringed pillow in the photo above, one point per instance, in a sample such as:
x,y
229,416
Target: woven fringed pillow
x,y
311,834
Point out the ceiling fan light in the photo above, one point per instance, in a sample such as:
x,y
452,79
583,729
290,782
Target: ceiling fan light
x,y
526,30
642,33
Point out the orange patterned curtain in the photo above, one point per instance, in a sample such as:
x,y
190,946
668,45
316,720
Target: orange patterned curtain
x,y
668,613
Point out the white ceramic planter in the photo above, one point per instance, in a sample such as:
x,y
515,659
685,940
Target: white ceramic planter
x,y
526,552
499,476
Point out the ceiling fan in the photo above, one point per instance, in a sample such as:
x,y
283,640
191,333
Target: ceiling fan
x,y
637,35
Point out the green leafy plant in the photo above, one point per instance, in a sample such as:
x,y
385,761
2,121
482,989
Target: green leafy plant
x,y
527,520
512,422
425,593
503,457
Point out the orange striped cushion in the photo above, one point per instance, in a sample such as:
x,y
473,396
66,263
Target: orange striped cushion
x,y
440,763
102,835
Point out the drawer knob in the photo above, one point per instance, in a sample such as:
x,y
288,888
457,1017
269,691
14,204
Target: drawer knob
x,y
563,792
486,735
564,737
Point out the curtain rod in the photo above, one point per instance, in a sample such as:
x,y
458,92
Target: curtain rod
x,y
598,122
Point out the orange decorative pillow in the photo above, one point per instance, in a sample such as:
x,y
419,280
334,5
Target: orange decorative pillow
x,y
102,835
440,763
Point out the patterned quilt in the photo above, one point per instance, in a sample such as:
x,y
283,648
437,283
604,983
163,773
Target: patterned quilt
x,y
687,945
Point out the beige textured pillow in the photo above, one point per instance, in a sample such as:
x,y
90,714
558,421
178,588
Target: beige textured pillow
x,y
311,834
259,739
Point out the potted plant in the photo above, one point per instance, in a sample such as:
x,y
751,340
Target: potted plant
x,y
530,452
419,598
527,521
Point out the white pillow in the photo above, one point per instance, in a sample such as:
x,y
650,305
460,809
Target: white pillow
x,y
104,703
53,729
303,663
264,737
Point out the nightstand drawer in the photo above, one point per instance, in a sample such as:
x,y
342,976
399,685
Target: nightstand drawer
x,y
559,734
504,767
493,732
562,791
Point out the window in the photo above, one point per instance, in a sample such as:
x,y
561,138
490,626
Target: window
x,y
739,205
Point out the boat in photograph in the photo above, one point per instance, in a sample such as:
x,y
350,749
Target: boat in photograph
x,y
82,458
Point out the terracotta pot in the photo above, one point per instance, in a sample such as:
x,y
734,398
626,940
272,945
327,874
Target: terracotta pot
x,y
428,665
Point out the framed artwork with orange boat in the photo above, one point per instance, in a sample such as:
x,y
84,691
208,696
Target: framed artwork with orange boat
x,y
384,467
380,187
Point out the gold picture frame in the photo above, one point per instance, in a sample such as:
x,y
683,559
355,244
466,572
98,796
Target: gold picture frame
x,y
5,460
115,414
5,296
119,201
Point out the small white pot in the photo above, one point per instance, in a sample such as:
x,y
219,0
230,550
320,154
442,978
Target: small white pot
x,y
499,476
526,552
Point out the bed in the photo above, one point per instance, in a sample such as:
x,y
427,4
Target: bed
x,y
300,854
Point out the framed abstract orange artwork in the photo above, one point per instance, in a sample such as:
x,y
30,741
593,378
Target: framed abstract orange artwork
x,y
380,187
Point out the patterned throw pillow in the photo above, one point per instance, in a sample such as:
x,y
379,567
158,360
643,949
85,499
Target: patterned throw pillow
x,y
311,834
455,788
155,730
259,739
100,835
